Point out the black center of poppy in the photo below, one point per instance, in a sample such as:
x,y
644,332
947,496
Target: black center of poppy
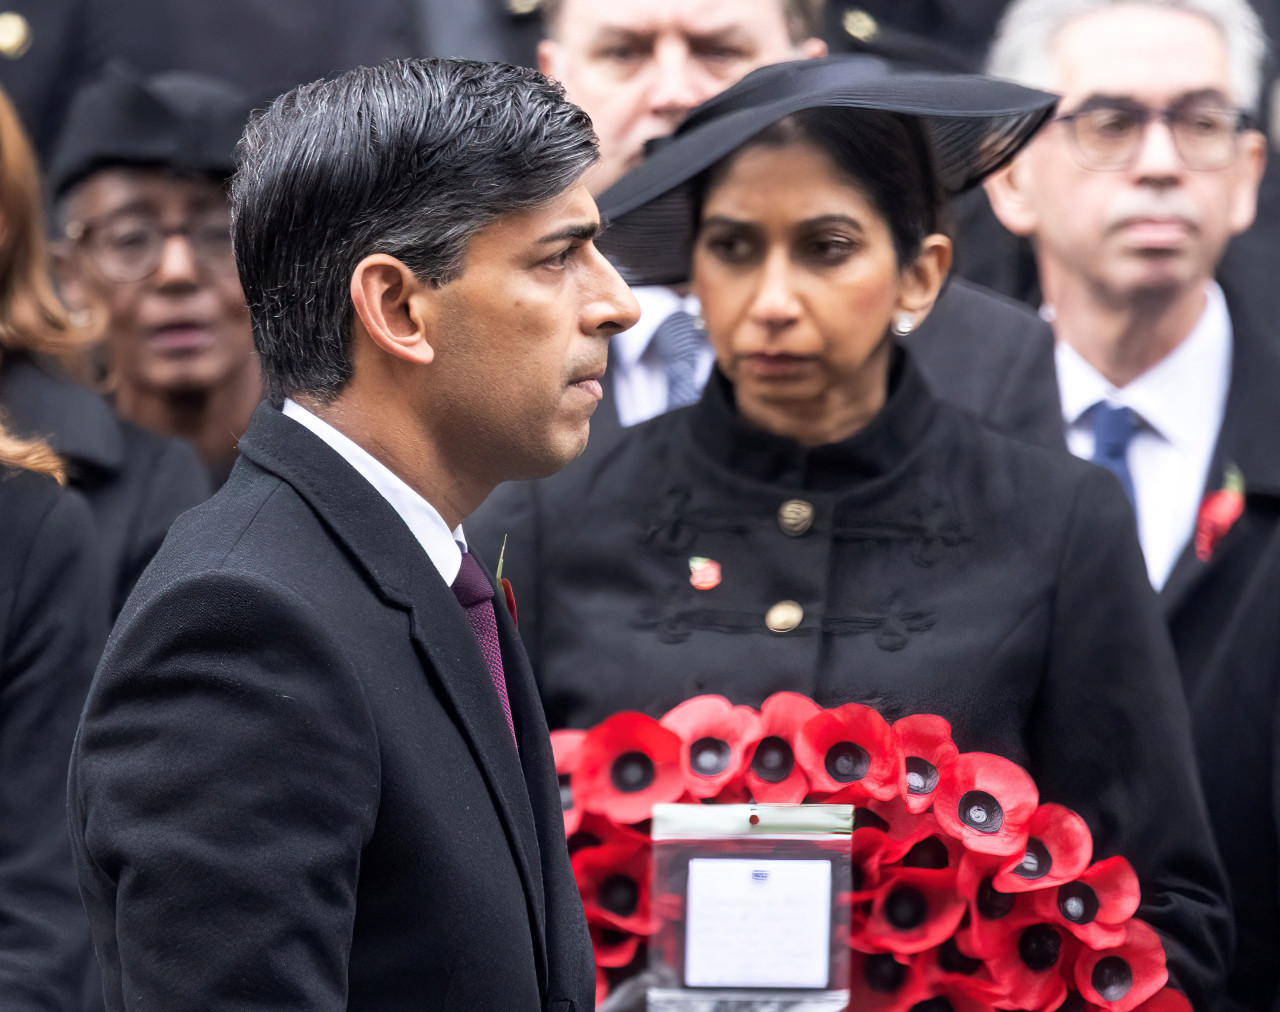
x,y
632,772
906,908
883,973
619,894
847,762
979,810
566,793
992,903
610,938
951,959
709,756
930,853
1078,903
865,818
773,761
933,1005
1036,862
1112,978
1073,1003
1039,946
922,775
858,877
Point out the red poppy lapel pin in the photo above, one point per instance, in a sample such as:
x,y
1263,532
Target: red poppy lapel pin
x,y
1218,512
508,594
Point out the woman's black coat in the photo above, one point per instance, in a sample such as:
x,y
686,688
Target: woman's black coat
x,y
947,570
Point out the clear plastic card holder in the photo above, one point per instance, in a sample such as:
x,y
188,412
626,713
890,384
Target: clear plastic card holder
x,y
752,908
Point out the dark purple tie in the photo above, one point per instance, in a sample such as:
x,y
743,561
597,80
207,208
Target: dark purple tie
x,y
475,593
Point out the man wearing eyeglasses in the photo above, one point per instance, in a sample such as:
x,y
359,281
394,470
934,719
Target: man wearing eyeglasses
x,y
139,176
1129,198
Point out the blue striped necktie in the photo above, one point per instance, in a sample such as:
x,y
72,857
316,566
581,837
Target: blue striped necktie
x,y
680,343
1113,430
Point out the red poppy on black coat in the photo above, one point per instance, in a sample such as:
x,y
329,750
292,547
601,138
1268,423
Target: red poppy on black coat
x,y
914,909
1059,848
1122,978
925,740
1219,510
1096,906
1031,967
564,746
772,775
612,949
1167,1000
613,881
852,749
626,765
987,802
995,918
714,737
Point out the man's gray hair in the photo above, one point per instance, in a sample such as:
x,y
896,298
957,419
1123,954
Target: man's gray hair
x,y
1023,47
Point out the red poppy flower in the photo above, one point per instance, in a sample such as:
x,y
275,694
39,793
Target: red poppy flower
x,y
626,765
995,917
1059,847
986,802
1122,978
613,881
1167,1000
892,818
883,982
851,744
1218,513
1030,969
714,736
914,909
1096,906
926,744
564,746
612,948
948,969
773,776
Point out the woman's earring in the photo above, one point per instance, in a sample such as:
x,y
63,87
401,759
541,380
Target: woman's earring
x,y
903,324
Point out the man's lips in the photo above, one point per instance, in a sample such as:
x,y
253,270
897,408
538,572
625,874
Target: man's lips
x,y
589,383
181,336
1155,233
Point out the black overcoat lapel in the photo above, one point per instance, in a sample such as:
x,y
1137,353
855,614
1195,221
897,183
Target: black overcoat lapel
x,y
386,549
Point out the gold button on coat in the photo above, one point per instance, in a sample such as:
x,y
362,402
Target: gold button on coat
x,y
860,25
15,35
795,516
783,616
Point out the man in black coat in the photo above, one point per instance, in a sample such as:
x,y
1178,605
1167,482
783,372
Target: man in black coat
x,y
312,774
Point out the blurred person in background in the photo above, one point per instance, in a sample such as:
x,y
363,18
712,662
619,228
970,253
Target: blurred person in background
x,y
1129,198
139,179
135,482
53,620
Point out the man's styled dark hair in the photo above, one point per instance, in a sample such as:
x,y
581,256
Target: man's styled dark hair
x,y
410,158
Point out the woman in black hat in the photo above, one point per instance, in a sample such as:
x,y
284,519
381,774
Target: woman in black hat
x,y
819,523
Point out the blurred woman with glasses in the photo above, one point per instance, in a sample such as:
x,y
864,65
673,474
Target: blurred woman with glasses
x,y
139,178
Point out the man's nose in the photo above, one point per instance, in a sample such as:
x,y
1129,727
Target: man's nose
x,y
612,307
177,264
680,82
1158,157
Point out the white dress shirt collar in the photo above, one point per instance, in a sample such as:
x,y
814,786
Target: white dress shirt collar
x,y
443,546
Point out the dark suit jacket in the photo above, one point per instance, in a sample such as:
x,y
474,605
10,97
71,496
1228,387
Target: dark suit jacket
x,y
294,787
53,620
135,481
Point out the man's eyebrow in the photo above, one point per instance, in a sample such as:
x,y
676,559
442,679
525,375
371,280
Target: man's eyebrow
x,y
583,233
1099,100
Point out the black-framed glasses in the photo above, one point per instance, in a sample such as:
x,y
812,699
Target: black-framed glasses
x,y
1108,135
128,247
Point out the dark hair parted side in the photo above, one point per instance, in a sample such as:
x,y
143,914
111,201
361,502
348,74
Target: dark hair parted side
x,y
886,156
410,158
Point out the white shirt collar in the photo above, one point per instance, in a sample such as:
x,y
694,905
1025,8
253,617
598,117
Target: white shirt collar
x,y
443,546
1182,397
657,302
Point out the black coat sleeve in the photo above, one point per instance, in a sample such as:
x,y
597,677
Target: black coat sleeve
x,y
1111,737
52,625
225,781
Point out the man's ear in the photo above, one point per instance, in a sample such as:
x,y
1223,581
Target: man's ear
x,y
396,310
922,279
1253,161
1007,190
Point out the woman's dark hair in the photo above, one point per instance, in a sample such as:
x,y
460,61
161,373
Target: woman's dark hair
x,y
410,158
885,156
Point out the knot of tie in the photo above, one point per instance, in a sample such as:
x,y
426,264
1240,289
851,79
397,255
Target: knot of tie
x,y
471,585
1113,430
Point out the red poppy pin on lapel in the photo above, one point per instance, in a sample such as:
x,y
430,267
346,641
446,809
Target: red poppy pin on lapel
x,y
704,573
1218,513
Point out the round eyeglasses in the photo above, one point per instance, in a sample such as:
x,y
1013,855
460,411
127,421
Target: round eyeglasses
x,y
1109,136
129,247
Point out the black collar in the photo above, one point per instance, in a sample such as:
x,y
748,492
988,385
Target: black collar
x,y
41,400
886,443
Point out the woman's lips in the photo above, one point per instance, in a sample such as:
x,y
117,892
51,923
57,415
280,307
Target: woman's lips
x,y
776,367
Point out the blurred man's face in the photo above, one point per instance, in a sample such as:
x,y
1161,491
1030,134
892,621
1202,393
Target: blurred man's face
x,y
638,66
1158,225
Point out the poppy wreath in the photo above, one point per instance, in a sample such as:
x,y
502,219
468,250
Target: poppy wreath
x,y
968,893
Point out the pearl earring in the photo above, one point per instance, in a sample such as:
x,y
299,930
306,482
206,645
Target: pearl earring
x,y
904,324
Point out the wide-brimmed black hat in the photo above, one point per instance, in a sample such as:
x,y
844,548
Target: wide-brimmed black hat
x,y
974,125
185,122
